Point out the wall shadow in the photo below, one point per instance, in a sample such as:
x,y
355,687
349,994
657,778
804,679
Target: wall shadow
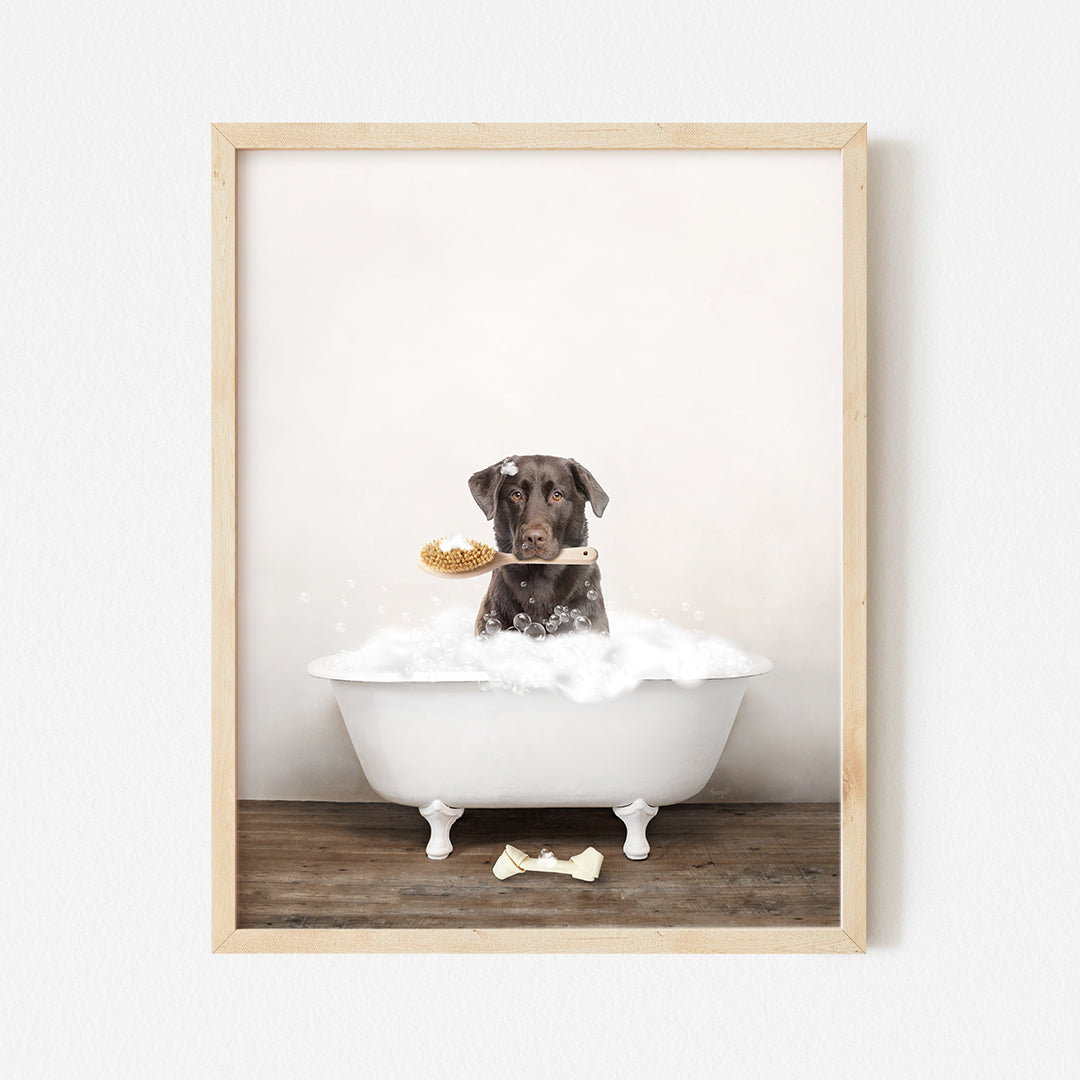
x,y
894,249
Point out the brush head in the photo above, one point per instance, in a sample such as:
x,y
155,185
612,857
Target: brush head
x,y
451,555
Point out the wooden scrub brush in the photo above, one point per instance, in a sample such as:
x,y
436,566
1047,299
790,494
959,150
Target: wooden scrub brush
x,y
459,557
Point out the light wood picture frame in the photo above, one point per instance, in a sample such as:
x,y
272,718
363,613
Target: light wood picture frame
x,y
849,140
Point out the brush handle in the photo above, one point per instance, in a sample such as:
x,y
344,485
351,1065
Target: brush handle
x,y
574,556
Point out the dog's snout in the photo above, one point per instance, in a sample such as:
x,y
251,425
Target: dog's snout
x,y
535,536
535,540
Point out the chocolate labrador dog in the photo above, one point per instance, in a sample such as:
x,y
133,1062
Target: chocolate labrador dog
x,y
538,505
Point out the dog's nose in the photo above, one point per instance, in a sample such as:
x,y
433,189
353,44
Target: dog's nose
x,y
535,537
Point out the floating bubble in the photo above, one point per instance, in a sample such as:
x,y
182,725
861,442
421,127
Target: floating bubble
x,y
654,612
575,612
305,598
561,609
406,616
535,630
344,602
532,599
699,615
381,609
521,620
436,601
684,606
592,594
588,584
524,584
553,624
582,622
351,583
635,596
492,625
341,628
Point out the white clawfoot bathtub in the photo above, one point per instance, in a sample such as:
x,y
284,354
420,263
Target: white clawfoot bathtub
x,y
442,745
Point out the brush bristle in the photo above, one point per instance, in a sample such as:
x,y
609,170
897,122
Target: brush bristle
x,y
456,559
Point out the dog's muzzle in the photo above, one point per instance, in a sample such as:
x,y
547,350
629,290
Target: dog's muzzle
x,y
537,543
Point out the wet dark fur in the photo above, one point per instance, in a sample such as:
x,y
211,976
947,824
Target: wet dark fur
x,y
539,524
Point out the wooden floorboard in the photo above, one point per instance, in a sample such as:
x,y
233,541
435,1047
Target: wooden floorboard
x,y
362,865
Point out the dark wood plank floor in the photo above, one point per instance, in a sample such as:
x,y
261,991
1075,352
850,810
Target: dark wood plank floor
x,y
362,865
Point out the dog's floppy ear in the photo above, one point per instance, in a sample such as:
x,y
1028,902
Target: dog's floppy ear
x,y
588,486
484,486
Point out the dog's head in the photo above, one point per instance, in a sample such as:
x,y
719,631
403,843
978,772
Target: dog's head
x,y
537,503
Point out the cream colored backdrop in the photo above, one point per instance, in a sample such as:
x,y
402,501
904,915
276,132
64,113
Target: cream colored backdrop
x,y
669,319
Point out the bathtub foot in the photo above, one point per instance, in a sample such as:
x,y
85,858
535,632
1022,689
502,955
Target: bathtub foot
x,y
637,817
440,817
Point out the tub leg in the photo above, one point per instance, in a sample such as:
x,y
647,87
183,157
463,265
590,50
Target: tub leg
x,y
440,817
637,817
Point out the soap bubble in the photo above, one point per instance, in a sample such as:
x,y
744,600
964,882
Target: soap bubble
x,y
344,602
592,594
535,630
532,599
547,855
699,616
561,610
582,622
341,628
575,612
684,606
305,598
654,612
521,620
553,624
524,584
351,583
492,625
381,609
436,601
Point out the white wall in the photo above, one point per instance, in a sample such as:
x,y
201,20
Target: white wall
x,y
104,435
672,321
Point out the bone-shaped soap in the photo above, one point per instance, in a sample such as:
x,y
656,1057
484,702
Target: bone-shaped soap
x,y
584,867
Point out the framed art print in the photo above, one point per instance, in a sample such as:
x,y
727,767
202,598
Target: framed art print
x,y
619,371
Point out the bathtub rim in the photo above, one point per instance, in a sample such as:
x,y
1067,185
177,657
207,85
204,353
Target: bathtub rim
x,y
325,668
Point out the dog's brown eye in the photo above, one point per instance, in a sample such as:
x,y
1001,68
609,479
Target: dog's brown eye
x,y
516,496
556,496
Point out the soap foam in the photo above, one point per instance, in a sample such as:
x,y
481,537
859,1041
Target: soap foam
x,y
584,667
457,542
